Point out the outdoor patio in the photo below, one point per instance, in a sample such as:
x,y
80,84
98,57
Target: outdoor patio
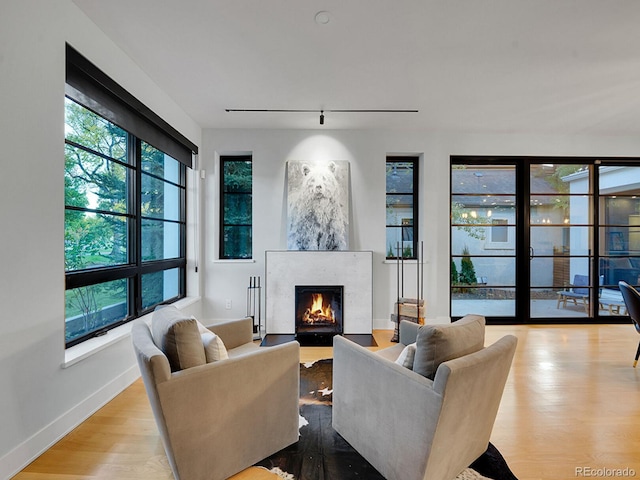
x,y
540,308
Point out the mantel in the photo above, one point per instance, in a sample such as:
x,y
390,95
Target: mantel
x,y
284,269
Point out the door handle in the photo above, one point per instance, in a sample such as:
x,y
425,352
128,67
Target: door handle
x,y
531,253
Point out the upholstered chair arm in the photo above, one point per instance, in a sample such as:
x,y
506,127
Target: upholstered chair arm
x,y
372,403
229,396
155,369
234,332
408,332
153,363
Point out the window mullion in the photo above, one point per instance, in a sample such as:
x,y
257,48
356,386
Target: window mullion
x,y
183,220
136,205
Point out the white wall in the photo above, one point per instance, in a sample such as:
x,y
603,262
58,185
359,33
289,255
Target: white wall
x,y
40,400
366,152
271,150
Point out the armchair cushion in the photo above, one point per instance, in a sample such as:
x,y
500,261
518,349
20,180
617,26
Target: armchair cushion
x,y
439,343
407,356
178,336
214,348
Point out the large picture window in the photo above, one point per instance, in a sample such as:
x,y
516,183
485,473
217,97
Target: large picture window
x,y
402,207
125,205
235,207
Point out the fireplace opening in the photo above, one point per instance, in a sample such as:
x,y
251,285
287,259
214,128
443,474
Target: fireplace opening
x,y
318,313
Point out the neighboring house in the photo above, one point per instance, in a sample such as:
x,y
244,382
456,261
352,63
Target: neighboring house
x,y
619,211
484,213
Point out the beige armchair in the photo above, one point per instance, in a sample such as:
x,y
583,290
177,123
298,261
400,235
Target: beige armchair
x,y
218,418
408,426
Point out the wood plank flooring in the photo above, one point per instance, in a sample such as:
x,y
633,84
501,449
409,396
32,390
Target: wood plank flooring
x,y
572,402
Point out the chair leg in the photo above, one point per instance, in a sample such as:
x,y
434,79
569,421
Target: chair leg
x,y
637,355
562,299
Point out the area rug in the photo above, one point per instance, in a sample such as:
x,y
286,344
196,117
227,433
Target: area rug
x,y
322,454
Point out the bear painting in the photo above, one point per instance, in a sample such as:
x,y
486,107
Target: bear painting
x,y
318,205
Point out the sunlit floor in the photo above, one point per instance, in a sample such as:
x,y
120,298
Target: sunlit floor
x,y
572,402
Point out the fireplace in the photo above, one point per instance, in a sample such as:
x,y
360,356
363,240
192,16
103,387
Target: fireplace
x,y
318,313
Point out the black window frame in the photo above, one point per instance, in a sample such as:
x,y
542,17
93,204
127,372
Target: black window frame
x,y
223,225
415,161
92,89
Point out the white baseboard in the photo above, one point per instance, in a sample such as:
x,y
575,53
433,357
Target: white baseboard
x,y
36,445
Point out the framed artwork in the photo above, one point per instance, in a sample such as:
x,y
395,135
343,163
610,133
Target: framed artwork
x,y
317,205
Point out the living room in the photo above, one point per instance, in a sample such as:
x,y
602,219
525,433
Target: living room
x,y
48,389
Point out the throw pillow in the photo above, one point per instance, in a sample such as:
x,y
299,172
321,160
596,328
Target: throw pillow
x,y
407,356
178,336
438,343
214,348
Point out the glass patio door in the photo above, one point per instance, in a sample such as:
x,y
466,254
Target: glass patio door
x,y
561,276
544,239
484,211
618,234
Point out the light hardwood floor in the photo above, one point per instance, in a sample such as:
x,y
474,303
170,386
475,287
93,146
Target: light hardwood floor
x,y
572,402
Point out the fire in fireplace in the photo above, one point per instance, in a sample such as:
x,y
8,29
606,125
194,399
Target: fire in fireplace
x,y
318,313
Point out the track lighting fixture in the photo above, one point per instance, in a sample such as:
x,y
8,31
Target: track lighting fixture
x,y
266,110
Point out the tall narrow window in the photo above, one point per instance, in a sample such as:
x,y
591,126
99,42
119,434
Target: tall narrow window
x,y
125,205
235,207
402,207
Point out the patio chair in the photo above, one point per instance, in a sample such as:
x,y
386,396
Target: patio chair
x,y
578,291
611,301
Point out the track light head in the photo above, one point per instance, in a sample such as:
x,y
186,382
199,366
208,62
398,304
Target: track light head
x,y
321,117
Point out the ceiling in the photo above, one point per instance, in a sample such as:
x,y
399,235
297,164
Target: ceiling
x,y
531,66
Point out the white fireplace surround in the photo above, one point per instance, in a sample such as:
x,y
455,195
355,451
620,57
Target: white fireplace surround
x,y
286,269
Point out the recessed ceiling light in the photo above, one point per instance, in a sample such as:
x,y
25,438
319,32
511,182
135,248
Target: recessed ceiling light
x,y
322,17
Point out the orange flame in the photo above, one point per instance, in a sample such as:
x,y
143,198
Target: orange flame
x,y
318,312
316,303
